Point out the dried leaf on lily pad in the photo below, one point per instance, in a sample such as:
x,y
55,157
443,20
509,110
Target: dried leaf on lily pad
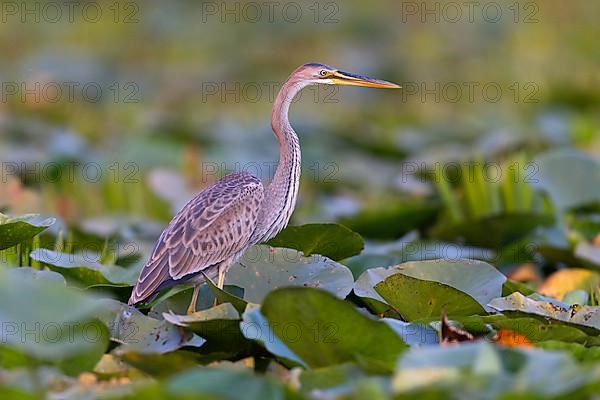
x,y
575,314
510,338
452,334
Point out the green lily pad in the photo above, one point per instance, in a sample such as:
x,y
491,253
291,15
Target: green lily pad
x,y
141,334
49,322
265,268
411,248
31,273
219,326
222,296
589,253
15,230
576,314
540,330
83,271
161,365
470,283
490,372
578,351
330,377
333,241
417,299
222,383
570,177
414,334
316,326
254,326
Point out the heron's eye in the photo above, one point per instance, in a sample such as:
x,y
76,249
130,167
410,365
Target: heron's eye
x,y
323,72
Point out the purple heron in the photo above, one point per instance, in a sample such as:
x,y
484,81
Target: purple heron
x,y
214,229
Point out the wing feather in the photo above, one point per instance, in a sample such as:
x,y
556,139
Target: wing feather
x,y
212,227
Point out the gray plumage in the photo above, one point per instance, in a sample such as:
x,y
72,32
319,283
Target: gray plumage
x,y
214,229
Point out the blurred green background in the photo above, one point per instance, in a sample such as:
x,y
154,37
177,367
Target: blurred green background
x,y
97,95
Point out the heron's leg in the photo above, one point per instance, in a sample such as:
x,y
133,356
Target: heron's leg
x,y
221,277
192,308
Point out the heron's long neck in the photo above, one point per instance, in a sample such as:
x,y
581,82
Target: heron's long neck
x,y
280,196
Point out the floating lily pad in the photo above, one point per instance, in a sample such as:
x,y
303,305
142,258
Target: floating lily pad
x,y
264,268
576,314
323,330
49,322
414,334
411,248
490,371
219,326
540,330
227,384
417,299
570,177
255,326
84,270
32,273
471,284
333,241
588,253
15,230
141,334
223,296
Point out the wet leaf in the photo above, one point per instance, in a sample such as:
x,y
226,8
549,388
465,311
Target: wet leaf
x,y
459,286
314,325
570,177
82,270
46,321
224,384
490,371
141,334
255,326
263,269
333,241
417,299
575,314
219,326
14,230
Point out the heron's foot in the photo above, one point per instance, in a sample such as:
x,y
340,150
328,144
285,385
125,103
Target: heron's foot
x,y
191,309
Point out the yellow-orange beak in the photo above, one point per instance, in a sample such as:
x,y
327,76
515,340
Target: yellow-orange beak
x,y
346,78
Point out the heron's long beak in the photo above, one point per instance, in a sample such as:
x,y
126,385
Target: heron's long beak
x,y
346,78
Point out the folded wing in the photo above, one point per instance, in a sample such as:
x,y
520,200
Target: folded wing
x,y
212,227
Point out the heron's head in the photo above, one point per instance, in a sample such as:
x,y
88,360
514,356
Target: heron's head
x,y
320,74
